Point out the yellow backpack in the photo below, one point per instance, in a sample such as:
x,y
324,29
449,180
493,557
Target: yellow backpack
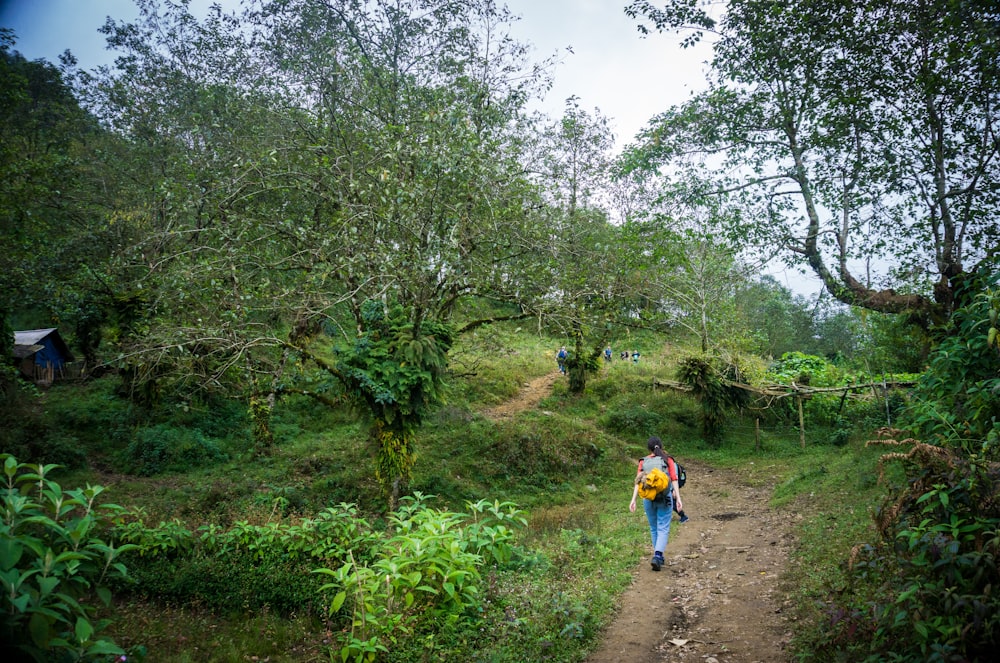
x,y
652,480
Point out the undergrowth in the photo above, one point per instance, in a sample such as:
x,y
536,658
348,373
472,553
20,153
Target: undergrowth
x,y
215,530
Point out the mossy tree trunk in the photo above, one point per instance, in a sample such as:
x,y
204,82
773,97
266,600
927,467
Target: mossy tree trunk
x,y
394,460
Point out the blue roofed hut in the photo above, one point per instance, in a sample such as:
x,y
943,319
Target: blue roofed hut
x,y
41,354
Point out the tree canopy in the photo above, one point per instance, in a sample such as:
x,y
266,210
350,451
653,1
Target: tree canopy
x,y
859,138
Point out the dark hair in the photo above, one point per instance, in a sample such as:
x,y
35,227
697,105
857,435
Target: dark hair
x,y
655,445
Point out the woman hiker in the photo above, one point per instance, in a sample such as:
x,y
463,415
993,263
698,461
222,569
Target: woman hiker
x,y
659,511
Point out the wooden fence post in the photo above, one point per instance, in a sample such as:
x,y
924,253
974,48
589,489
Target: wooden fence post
x,y
802,424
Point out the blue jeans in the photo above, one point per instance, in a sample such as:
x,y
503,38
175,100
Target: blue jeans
x,y
659,515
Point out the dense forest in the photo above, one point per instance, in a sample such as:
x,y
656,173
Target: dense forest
x,y
298,249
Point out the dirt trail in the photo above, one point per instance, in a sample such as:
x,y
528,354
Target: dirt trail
x,y
718,599
529,396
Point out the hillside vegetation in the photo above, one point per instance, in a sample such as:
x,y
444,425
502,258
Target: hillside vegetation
x,y
508,545
305,251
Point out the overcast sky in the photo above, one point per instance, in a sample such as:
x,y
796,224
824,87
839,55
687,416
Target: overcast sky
x,y
611,66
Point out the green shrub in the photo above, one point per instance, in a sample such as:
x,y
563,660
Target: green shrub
x,y
245,566
90,413
164,448
926,590
39,444
426,576
238,581
54,567
635,421
543,449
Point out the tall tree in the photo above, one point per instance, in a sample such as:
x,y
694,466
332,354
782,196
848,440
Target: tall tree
x,y
587,277
863,135
324,170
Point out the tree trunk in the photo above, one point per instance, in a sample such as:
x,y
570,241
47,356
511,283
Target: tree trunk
x,y
260,422
394,462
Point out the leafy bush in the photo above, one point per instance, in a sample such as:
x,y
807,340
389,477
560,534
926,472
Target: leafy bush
x,y
803,369
53,567
243,567
926,589
711,378
543,449
164,448
957,401
634,420
426,575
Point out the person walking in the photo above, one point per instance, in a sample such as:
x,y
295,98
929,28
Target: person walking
x,y
659,511
607,354
561,359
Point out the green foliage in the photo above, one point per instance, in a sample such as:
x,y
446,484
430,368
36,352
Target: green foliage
x,y
394,367
894,344
54,567
957,401
864,408
540,450
245,566
803,369
164,448
707,376
925,591
428,569
634,421
912,61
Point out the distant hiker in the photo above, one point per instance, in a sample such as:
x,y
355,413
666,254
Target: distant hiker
x,y
561,359
635,356
607,354
658,500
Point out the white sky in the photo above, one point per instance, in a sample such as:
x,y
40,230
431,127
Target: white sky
x,y
611,66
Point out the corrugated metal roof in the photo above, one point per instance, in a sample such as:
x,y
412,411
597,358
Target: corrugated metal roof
x,y
31,336
22,351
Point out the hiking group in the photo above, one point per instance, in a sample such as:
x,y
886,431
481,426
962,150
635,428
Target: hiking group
x,y
562,355
658,482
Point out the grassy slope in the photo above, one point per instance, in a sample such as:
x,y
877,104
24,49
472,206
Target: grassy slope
x,y
569,466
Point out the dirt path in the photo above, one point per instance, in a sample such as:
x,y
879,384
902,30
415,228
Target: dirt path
x,y
717,600
529,396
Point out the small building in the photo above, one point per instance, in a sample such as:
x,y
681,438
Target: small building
x,y
41,354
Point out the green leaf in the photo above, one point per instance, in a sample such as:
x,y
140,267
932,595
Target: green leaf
x,y
47,585
39,629
84,630
10,552
104,648
10,466
104,594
